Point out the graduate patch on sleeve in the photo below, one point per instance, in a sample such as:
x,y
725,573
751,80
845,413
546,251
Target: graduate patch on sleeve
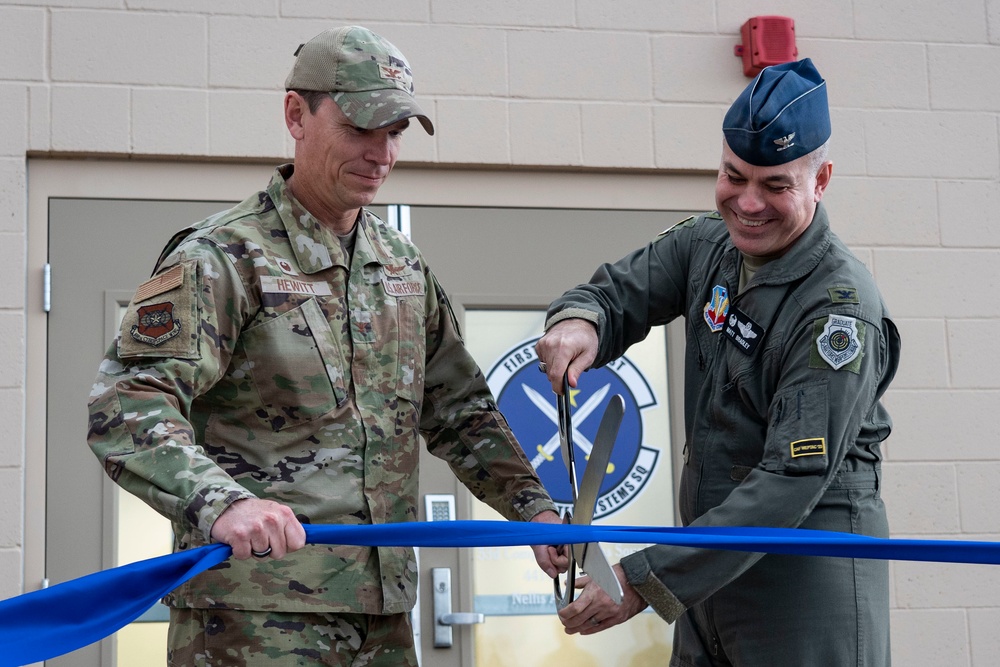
x,y
808,447
839,341
162,319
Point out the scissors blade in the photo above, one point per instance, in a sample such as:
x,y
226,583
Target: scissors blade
x,y
597,567
591,556
597,464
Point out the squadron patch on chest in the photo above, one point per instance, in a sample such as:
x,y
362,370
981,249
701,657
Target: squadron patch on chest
x,y
717,308
839,341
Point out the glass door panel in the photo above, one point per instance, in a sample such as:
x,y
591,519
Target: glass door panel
x,y
521,627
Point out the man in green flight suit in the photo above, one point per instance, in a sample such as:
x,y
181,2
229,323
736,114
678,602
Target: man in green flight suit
x,y
789,350
280,367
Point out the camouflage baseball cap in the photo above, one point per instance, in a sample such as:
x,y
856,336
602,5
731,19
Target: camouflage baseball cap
x,y
366,76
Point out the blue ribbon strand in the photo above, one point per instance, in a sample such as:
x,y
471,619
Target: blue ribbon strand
x,y
54,621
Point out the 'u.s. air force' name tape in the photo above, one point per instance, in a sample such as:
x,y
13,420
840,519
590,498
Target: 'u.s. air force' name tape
x,y
54,621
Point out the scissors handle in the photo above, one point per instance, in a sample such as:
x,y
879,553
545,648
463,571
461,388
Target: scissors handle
x,y
566,434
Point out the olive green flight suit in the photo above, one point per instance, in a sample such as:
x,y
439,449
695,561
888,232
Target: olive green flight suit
x,y
783,428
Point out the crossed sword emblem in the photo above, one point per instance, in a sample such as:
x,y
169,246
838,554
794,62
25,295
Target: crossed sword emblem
x,y
545,451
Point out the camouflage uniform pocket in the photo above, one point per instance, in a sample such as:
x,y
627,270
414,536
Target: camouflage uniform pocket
x,y
296,366
412,349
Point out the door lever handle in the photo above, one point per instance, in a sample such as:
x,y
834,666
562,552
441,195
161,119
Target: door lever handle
x,y
462,618
444,618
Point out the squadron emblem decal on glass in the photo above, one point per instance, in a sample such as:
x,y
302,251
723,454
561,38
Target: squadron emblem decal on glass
x,y
525,397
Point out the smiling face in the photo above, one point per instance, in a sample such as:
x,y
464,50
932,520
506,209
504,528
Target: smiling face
x,y
339,167
766,209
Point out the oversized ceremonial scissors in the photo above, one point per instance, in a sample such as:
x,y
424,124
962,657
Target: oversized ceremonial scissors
x,y
589,557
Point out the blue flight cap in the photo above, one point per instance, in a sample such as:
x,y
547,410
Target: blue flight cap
x,y
781,116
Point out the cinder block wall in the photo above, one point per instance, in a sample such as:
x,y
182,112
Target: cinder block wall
x,y
637,85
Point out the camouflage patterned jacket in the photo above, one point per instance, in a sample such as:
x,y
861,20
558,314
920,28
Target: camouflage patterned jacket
x,y
257,363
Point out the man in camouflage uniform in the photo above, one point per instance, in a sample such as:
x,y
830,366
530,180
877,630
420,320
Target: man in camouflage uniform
x,y
279,368
789,350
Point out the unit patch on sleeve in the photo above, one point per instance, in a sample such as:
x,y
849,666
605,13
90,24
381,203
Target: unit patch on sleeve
x,y
162,319
156,324
808,447
839,342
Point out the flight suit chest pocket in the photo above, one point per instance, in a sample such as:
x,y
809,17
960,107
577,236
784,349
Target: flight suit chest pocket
x,y
296,365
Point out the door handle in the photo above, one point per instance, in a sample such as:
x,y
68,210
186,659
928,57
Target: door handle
x,y
444,619
462,618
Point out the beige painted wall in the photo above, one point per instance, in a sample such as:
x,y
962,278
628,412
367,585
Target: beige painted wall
x,y
570,85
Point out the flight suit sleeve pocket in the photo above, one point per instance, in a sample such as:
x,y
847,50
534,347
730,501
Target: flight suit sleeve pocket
x,y
163,319
797,439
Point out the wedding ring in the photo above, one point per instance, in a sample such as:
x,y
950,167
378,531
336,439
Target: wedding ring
x,y
543,367
261,554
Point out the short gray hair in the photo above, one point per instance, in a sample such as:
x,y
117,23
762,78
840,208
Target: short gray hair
x,y
818,157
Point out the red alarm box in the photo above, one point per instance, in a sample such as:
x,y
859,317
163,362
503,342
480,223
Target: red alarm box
x,y
767,40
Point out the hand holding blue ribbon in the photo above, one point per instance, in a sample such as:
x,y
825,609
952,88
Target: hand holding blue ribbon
x,y
54,621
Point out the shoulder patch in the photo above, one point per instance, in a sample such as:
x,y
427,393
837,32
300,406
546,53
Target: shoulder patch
x,y
839,343
168,326
843,295
159,284
686,222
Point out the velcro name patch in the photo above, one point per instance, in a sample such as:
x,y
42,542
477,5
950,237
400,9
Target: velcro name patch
x,y
402,287
279,285
808,447
742,331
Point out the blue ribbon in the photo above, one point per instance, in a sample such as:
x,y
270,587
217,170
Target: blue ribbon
x,y
50,622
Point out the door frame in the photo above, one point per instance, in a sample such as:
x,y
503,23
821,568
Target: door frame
x,y
414,185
